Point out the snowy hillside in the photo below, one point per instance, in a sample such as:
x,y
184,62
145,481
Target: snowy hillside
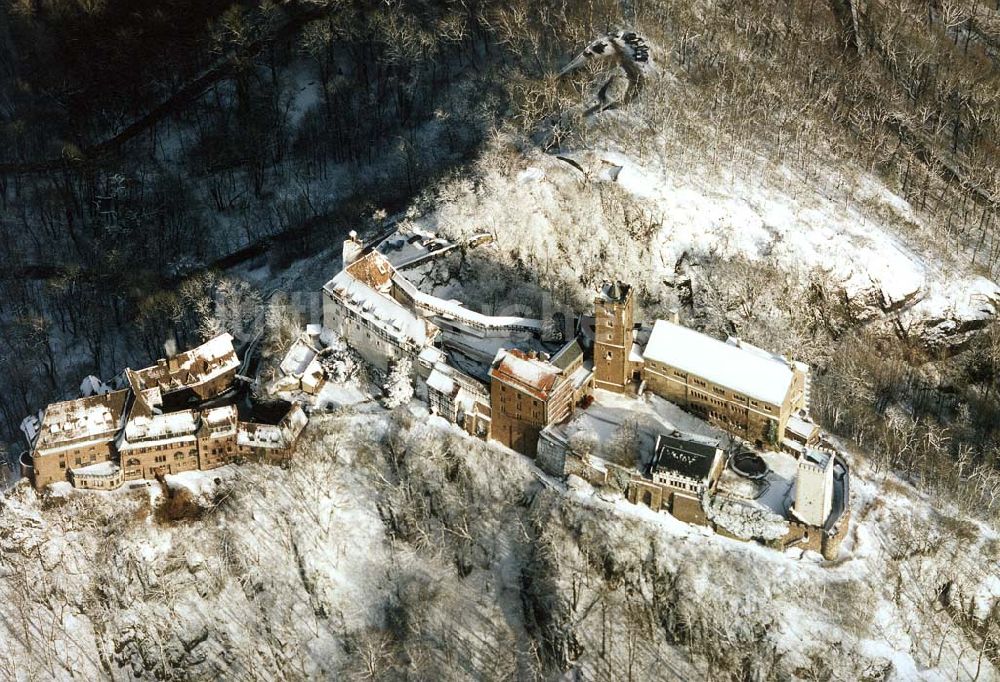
x,y
395,546
848,234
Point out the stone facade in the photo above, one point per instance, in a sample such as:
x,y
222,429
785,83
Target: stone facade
x,y
681,470
613,323
526,395
814,487
357,305
101,441
205,371
104,476
75,433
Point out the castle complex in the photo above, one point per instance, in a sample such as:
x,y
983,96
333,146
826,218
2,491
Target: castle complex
x,y
158,423
525,397
502,378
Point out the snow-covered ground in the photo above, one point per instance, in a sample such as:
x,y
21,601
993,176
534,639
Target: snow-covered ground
x,y
846,232
856,243
287,568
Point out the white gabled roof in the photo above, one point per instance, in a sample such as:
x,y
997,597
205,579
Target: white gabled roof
x,y
378,307
441,382
753,374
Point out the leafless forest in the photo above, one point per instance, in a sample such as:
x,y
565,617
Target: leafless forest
x,y
151,153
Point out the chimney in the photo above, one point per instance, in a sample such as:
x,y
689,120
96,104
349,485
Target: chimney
x,y
674,316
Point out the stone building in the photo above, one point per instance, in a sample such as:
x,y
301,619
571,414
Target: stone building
x,y
821,513
570,359
100,442
100,476
271,442
358,305
740,388
682,469
202,372
153,445
216,436
527,393
814,487
460,399
74,434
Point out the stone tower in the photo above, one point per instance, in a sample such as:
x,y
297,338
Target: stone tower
x,y
353,248
814,487
613,315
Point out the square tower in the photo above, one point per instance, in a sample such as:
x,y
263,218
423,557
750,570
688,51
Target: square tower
x,y
613,321
814,487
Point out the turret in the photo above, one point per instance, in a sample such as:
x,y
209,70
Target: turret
x,y
352,248
814,487
613,321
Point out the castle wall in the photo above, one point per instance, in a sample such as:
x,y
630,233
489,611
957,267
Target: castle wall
x,y
375,346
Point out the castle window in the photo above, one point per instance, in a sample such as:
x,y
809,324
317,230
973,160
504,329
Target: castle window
x,y
607,356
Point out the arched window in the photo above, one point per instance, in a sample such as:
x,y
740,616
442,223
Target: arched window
x,y
132,462
647,498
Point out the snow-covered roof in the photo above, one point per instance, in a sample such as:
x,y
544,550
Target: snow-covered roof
x,y
373,269
73,422
294,422
635,353
203,363
221,421
820,458
298,357
381,309
537,377
431,356
580,376
260,436
92,385
99,469
275,436
29,427
441,382
567,355
759,376
685,454
801,427
455,310
614,292
174,426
